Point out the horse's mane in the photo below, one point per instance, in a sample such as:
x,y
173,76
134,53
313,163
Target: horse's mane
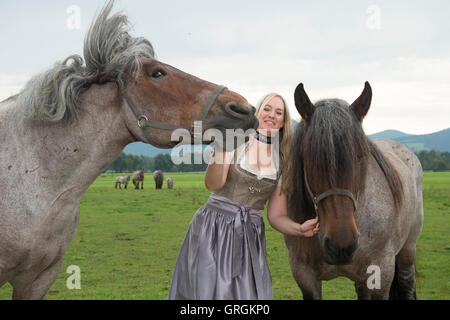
x,y
108,51
332,143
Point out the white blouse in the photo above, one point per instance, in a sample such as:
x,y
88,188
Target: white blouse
x,y
243,163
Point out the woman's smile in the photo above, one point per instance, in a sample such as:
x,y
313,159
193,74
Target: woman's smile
x,y
271,116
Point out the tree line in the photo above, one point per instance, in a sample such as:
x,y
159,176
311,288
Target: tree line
x,y
434,160
430,160
130,162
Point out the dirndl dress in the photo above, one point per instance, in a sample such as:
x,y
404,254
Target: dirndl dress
x,y
223,255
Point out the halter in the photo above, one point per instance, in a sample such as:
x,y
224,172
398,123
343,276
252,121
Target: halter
x,y
330,192
161,125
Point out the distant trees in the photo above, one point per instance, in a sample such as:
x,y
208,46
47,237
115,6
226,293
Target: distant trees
x,y
434,160
430,160
163,162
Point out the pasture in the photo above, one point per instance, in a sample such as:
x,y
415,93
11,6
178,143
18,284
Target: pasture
x,y
127,242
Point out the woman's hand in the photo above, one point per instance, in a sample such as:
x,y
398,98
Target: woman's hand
x,y
310,227
279,220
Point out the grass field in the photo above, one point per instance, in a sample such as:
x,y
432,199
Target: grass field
x,y
128,240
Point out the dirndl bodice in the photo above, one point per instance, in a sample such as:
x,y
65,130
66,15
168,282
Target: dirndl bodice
x,y
245,187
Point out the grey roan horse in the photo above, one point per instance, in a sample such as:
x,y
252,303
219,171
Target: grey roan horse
x,y
70,122
367,195
138,176
122,180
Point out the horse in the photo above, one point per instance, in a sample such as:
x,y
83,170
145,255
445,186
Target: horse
x,y
158,176
366,194
169,182
122,180
138,176
69,123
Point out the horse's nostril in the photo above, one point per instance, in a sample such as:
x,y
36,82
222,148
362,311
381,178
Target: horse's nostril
x,y
239,109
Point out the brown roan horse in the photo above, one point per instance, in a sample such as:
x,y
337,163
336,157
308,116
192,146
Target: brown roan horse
x,y
70,122
367,195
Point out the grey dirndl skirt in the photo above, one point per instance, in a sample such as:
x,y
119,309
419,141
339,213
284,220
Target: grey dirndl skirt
x,y
223,255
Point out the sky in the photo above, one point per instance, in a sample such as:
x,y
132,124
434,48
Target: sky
x,y
255,47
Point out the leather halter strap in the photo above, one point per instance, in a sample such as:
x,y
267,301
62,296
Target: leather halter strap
x,y
143,121
330,192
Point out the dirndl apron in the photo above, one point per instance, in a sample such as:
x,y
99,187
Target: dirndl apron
x,y
223,255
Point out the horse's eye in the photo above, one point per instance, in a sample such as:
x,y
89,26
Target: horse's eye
x,y
158,74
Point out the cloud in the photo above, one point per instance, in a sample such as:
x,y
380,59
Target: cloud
x,y
410,93
256,47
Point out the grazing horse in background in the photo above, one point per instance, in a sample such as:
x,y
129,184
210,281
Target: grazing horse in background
x,y
122,180
367,195
169,182
158,176
68,125
138,176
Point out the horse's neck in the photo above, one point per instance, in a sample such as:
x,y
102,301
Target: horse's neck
x,y
72,156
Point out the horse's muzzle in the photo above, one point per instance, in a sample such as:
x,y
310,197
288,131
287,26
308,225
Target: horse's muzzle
x,y
243,112
336,255
239,111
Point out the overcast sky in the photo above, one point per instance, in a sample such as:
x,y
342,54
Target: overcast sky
x,y
255,47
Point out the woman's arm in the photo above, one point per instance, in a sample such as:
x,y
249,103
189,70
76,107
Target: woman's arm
x,y
217,171
279,220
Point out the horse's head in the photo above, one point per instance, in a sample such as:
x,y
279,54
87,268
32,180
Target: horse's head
x,y
156,98
333,164
161,99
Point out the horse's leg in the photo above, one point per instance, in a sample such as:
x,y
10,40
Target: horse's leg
x,y
2,278
37,289
386,275
142,184
361,291
404,283
308,283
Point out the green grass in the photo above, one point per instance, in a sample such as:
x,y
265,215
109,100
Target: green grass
x,y
127,242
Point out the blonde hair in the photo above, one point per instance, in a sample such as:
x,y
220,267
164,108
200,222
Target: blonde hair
x,y
285,132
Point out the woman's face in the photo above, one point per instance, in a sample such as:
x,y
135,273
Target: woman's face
x,y
271,116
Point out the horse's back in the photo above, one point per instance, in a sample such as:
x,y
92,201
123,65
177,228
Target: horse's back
x,y
138,175
409,169
403,155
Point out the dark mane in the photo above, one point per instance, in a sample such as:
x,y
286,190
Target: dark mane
x,y
334,145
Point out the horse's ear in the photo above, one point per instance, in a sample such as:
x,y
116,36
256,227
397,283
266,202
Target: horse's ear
x,y
361,105
302,102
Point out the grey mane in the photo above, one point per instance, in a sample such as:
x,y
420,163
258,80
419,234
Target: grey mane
x,y
108,51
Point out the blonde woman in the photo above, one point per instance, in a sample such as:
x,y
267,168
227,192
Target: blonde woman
x,y
223,255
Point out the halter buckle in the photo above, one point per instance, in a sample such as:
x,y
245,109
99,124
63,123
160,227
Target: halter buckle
x,y
141,117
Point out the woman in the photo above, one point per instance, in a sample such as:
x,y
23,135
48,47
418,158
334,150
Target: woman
x,y
223,255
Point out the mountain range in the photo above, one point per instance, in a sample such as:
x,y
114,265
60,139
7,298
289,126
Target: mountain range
x,y
439,141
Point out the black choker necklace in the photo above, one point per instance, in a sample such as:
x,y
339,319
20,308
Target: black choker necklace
x,y
263,138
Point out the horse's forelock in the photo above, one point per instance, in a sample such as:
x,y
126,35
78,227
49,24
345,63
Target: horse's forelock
x,y
335,142
332,144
